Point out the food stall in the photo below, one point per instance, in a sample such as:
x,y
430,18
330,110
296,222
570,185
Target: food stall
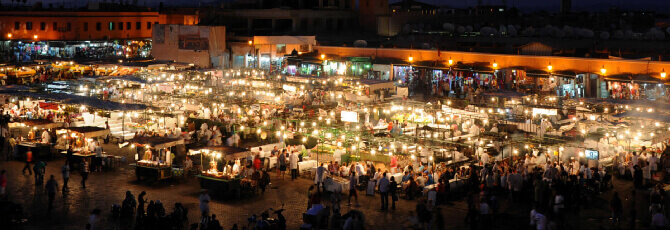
x,y
38,138
82,141
223,179
155,161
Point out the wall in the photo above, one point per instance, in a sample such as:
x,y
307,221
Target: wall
x,y
78,21
592,65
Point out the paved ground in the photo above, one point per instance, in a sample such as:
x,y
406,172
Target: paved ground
x,y
107,188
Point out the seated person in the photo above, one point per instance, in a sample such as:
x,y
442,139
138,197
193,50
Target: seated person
x,y
315,209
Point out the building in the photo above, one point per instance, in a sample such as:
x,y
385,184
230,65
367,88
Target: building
x,y
202,46
267,52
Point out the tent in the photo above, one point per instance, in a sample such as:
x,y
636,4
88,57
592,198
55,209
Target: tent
x,y
77,100
662,117
88,131
376,84
37,123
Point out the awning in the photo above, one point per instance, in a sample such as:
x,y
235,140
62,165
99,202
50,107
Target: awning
x,y
228,152
37,123
89,131
157,142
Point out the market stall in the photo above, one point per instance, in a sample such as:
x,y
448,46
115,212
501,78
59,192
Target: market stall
x,y
223,172
81,141
155,162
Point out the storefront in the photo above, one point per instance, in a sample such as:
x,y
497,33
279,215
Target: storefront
x,y
635,87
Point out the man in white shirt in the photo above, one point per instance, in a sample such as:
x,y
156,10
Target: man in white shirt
x,y
293,161
360,171
653,163
484,159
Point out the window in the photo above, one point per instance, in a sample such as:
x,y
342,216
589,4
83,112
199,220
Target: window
x,y
148,25
43,26
85,26
281,48
111,26
120,25
128,26
155,22
69,26
29,25
138,25
17,25
98,26
55,26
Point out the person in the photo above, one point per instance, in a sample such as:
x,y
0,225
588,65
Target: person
x,y
84,172
393,188
384,191
204,202
265,180
353,180
65,170
69,154
12,145
293,159
257,162
282,158
318,178
94,219
29,158
617,209
98,158
140,204
50,190
128,205
3,184
40,169
214,223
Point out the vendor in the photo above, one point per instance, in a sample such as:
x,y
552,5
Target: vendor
x,y
31,134
46,138
147,154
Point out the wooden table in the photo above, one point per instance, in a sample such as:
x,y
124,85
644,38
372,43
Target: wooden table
x,y
152,174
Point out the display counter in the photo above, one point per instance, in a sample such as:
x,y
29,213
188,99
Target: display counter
x,y
220,187
152,173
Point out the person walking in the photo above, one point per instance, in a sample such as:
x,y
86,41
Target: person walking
x,y
40,169
384,191
265,180
65,170
29,158
393,190
282,164
140,204
84,172
204,202
353,180
51,188
293,159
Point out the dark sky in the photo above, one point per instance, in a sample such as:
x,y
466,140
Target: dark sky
x,y
661,6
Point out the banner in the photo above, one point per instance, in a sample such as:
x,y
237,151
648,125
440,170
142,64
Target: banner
x,y
48,106
193,38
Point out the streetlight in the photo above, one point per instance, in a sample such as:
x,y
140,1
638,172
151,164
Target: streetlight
x,y
35,36
9,35
549,67
663,73
250,42
410,58
323,56
495,64
451,62
603,70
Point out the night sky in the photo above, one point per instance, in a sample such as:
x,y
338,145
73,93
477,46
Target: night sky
x,y
525,5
